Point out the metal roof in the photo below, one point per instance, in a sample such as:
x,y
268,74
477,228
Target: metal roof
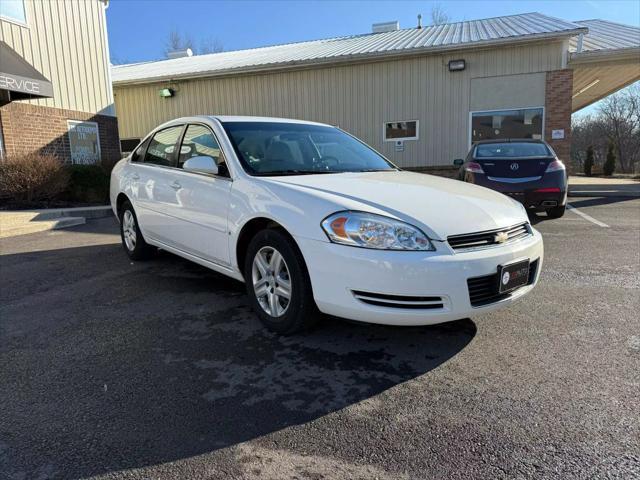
x,y
451,36
605,35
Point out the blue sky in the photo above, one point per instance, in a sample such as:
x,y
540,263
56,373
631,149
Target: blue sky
x,y
138,29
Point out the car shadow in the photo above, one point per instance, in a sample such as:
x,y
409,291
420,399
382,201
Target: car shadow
x,y
597,201
535,217
109,365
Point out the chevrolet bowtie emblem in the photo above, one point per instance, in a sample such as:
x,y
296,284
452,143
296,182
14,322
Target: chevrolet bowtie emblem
x,y
501,237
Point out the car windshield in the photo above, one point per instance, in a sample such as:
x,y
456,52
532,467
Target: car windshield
x,y
278,148
512,150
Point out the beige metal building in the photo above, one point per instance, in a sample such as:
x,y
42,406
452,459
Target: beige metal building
x,y
419,95
56,95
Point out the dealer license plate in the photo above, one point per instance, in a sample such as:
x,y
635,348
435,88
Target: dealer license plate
x,y
514,275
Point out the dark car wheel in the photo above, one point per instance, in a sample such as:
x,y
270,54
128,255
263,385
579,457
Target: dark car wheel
x,y
132,240
278,284
556,212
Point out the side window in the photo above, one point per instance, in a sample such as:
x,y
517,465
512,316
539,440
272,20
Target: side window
x,y
198,141
162,146
138,154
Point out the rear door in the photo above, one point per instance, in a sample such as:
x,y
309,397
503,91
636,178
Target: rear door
x,y
524,161
155,177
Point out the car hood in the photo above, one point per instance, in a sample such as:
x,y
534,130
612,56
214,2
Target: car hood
x,y
439,206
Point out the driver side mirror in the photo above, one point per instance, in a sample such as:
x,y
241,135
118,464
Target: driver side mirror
x,y
201,164
458,162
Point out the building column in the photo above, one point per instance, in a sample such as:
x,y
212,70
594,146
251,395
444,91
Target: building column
x,y
558,93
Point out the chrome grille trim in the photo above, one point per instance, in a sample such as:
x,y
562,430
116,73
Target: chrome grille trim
x,y
514,179
399,301
487,238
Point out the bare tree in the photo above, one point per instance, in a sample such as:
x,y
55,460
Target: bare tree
x,y
210,45
438,15
620,114
115,60
177,41
617,119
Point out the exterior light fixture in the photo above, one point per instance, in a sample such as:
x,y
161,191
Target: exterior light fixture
x,y
166,92
456,65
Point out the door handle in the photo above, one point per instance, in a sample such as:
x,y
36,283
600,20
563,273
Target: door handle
x,y
175,185
135,176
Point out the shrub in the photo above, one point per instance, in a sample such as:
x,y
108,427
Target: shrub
x,y
32,178
610,163
588,163
88,184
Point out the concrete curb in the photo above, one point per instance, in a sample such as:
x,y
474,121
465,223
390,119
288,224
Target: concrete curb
x,y
18,222
100,211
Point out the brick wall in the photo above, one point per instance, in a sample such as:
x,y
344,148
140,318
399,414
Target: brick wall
x,y
28,128
558,92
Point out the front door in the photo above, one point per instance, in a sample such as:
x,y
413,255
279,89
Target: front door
x,y
201,201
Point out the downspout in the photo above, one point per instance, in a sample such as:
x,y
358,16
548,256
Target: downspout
x,y
580,39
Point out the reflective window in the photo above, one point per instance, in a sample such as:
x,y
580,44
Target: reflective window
x,y
281,148
512,150
199,141
162,146
524,123
406,130
13,10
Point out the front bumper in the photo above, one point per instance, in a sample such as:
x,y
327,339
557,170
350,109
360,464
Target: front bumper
x,y
336,271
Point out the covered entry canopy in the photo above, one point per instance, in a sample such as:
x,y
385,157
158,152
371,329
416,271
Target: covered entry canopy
x,y
603,61
20,80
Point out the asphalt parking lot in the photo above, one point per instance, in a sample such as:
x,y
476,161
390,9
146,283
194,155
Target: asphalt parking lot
x,y
158,369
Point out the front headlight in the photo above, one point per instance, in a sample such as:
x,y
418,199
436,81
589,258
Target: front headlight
x,y
368,230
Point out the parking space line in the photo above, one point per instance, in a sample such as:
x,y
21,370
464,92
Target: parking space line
x,y
587,217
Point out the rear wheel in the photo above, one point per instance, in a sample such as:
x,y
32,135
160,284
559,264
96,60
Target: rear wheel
x,y
132,240
278,284
556,212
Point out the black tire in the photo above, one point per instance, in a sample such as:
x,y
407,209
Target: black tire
x,y
301,311
139,249
556,212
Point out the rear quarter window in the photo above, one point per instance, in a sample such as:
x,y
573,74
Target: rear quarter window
x,y
138,154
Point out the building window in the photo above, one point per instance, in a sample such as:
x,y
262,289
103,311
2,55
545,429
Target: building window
x,y
402,130
517,123
13,10
127,145
84,142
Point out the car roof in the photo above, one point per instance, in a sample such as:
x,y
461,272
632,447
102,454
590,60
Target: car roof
x,y
509,140
233,118
246,118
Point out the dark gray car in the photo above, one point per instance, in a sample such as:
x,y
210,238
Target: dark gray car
x,y
527,170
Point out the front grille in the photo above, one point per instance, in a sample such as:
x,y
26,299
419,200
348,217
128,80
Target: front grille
x,y
485,290
399,301
489,238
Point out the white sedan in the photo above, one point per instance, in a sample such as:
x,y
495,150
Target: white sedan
x,y
313,220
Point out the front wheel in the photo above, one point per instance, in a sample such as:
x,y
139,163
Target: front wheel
x,y
556,212
278,283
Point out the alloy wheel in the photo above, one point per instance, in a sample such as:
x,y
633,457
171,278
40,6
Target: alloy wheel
x,y
271,281
129,230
